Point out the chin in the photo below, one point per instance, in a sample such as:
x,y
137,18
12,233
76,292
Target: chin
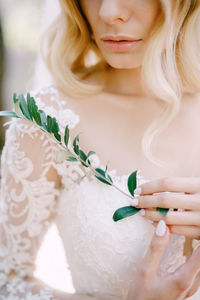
x,y
124,60
121,64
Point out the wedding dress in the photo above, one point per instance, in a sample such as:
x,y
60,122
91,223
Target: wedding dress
x,y
103,255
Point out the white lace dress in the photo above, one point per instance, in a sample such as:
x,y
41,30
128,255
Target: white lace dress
x,y
103,255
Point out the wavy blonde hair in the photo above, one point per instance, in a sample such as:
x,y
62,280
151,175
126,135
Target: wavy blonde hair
x,y
170,67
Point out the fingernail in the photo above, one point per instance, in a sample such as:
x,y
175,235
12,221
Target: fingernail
x,y
142,212
137,191
161,228
134,202
150,221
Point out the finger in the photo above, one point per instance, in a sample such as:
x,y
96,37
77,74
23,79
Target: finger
x,y
189,231
186,273
189,185
194,287
175,217
151,261
168,200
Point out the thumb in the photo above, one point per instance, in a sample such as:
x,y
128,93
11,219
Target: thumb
x,y
157,248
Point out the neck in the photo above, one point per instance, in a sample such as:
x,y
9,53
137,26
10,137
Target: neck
x,y
124,81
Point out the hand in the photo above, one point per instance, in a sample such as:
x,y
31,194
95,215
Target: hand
x,y
150,284
173,192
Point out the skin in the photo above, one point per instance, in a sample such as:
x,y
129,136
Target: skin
x,y
182,193
137,18
134,18
151,284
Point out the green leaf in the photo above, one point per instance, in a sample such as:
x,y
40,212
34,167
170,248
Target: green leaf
x,y
132,182
23,106
75,146
43,116
89,154
18,110
88,161
49,124
106,170
43,119
83,156
57,136
71,158
56,129
15,98
5,113
63,155
37,118
30,105
66,137
163,211
102,172
8,123
33,110
124,212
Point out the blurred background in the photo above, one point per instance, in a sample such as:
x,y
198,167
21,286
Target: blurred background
x,y
21,70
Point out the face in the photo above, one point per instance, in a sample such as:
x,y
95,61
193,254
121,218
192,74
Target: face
x,y
128,21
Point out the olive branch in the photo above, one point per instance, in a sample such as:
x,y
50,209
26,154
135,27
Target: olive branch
x,y
28,109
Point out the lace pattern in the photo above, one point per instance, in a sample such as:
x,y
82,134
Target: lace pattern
x,y
103,255
18,289
28,201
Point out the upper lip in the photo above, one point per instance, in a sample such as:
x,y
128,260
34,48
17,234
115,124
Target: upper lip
x,y
118,38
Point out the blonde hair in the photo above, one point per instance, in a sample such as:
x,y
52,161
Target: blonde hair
x,y
170,67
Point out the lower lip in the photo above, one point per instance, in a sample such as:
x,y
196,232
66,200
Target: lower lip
x,y
121,46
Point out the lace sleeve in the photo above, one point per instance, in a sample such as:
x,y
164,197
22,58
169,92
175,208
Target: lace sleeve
x,y
29,190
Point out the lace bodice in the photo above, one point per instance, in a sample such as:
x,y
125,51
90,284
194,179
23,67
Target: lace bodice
x,y
103,255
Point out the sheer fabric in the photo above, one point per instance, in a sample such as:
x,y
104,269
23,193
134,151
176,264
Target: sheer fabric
x,y
29,193
103,256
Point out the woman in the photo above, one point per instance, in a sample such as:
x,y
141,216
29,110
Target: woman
x,y
131,91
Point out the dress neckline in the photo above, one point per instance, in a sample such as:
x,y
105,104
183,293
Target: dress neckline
x,y
77,116
111,172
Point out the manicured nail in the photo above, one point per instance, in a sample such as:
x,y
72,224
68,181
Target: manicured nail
x,y
161,228
134,202
150,221
137,191
142,212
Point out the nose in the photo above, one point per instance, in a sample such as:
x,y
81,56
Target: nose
x,y
113,11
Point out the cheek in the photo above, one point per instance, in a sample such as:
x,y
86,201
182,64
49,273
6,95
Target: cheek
x,y
155,14
149,14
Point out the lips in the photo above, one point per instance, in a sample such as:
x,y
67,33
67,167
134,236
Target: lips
x,y
119,38
120,41
122,45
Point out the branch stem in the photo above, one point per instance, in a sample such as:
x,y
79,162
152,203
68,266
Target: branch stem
x,y
79,159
